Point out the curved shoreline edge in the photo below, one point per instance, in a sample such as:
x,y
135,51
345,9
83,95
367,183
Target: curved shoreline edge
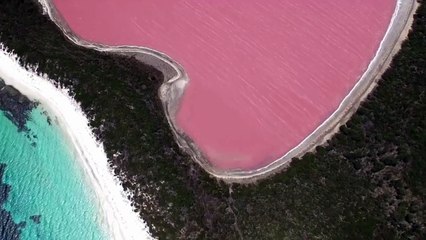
x,y
176,79
117,218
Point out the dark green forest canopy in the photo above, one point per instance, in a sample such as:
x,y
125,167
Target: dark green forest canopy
x,y
368,182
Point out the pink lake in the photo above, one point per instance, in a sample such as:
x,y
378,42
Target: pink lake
x,y
263,74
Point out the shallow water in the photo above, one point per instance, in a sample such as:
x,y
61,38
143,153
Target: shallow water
x,y
46,180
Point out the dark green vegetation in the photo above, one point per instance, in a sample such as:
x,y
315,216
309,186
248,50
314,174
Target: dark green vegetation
x,y
367,183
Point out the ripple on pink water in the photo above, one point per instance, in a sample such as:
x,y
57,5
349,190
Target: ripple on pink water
x,y
263,74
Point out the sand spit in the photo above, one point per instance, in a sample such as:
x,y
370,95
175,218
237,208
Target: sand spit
x,y
117,215
176,80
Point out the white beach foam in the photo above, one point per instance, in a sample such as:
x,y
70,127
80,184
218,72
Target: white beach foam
x,y
117,215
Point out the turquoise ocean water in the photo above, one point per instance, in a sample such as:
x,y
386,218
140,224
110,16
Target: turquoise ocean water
x,y
46,180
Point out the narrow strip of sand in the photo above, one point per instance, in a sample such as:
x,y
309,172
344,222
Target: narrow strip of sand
x,y
117,215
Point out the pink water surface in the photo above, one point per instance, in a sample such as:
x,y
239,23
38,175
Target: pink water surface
x,y
263,74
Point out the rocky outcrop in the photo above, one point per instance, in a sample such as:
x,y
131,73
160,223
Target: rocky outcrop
x,y
36,219
16,106
9,230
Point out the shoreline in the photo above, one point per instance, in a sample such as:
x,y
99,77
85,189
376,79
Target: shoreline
x,y
118,219
172,90
349,105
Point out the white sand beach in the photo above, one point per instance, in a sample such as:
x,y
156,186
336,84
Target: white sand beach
x,y
117,215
